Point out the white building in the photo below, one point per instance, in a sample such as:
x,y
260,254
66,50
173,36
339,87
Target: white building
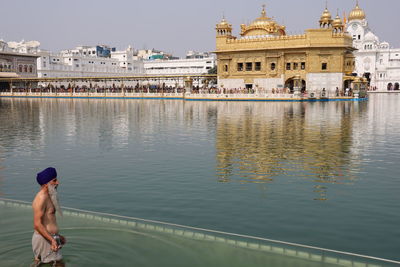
x,y
89,61
18,60
374,59
30,47
191,65
150,54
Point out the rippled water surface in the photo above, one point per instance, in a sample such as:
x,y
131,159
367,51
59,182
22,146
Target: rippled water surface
x,y
320,174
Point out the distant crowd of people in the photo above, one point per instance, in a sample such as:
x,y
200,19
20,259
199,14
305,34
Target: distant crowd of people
x,y
172,89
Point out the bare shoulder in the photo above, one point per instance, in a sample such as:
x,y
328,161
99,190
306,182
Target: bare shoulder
x,y
39,201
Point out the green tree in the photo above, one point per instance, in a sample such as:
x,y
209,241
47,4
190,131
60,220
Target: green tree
x,y
213,70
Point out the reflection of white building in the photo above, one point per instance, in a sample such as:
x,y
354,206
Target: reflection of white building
x,y
89,61
373,58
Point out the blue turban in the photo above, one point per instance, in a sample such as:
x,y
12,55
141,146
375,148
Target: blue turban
x,y
46,175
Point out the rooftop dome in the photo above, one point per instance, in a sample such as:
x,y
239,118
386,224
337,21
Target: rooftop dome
x,y
326,19
337,22
263,26
224,23
370,37
357,13
326,15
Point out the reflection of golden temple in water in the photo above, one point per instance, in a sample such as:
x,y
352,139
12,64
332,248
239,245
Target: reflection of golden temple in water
x,y
256,145
255,142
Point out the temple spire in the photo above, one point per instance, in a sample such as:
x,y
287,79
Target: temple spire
x,y
263,12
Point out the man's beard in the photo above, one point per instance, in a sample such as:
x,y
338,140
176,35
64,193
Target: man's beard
x,y
54,198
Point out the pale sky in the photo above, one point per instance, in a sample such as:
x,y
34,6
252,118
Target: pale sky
x,y
174,26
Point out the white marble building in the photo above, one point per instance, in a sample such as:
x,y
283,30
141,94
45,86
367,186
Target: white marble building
x,y
374,58
89,61
194,64
18,59
23,47
186,66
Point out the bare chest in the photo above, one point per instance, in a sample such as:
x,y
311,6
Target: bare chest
x,y
49,208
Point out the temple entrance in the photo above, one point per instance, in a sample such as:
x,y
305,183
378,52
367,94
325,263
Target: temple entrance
x,y
396,86
249,88
390,86
4,86
367,75
290,85
347,84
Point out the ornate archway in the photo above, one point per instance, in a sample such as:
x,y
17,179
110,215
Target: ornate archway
x,y
290,84
347,84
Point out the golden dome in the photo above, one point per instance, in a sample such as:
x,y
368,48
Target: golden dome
x,y
326,15
326,19
263,25
224,28
263,20
357,13
224,24
337,22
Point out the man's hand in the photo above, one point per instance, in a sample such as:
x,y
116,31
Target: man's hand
x,y
54,245
63,240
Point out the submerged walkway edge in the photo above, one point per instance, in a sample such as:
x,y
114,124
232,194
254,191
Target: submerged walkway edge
x,y
244,241
183,96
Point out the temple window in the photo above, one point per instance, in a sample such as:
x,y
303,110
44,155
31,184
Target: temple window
x,y
295,66
359,37
25,68
249,66
303,65
273,66
324,66
288,65
240,66
257,67
226,68
30,69
20,68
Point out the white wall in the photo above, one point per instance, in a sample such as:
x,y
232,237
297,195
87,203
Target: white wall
x,y
317,81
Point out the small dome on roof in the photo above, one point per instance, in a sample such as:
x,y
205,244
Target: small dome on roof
x,y
370,37
326,15
337,22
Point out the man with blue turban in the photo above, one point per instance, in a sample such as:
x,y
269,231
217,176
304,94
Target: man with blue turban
x,y
46,242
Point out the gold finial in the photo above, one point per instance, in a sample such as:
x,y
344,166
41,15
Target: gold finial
x,y
357,13
263,13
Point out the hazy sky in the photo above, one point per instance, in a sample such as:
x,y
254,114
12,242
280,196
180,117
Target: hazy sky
x,y
174,26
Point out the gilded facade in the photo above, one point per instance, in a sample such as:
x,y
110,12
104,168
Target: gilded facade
x,y
265,58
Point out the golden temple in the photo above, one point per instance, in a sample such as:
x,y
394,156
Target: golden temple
x,y
265,58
